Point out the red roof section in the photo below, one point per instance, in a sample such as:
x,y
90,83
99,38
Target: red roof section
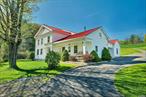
x,y
60,30
113,41
79,35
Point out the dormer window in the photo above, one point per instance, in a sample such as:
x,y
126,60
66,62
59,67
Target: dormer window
x,y
48,38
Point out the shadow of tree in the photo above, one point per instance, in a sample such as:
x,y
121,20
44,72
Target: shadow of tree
x,y
63,85
73,83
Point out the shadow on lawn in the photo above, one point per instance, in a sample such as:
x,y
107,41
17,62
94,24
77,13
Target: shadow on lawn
x,y
44,70
64,85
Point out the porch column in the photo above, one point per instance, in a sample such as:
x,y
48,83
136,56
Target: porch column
x,y
84,47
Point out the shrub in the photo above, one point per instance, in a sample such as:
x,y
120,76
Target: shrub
x,y
32,55
65,56
106,55
21,55
72,58
87,57
52,59
5,58
94,56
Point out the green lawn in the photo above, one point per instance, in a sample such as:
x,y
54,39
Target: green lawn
x,y
131,81
128,51
31,68
133,45
132,48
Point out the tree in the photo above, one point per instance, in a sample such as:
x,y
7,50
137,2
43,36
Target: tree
x,y
135,39
3,51
65,56
52,59
106,55
145,38
12,14
28,41
94,56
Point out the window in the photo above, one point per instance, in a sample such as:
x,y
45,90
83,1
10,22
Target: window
x,y
96,48
41,51
63,48
75,49
38,42
37,51
100,35
48,38
117,50
42,41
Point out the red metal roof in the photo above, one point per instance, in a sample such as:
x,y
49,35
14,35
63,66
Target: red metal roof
x,y
113,41
60,30
79,35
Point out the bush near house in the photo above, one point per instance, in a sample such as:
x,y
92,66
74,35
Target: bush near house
x,y
32,55
52,59
106,55
65,56
94,56
87,57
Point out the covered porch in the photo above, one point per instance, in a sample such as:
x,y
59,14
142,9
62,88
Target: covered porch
x,y
75,47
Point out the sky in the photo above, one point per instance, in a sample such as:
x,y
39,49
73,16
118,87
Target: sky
x,y
119,18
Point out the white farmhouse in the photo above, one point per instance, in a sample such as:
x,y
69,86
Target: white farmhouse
x,y
52,38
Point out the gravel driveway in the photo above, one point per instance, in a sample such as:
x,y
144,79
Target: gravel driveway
x,y
86,81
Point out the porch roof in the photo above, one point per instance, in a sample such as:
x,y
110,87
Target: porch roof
x,y
78,35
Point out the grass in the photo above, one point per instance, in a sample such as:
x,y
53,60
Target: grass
x,y
133,45
31,68
131,81
128,51
132,48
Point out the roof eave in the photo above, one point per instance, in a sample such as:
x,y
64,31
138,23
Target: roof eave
x,y
67,40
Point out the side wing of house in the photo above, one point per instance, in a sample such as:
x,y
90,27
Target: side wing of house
x,y
99,40
43,41
114,48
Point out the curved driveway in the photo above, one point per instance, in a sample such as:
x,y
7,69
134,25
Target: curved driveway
x,y
86,81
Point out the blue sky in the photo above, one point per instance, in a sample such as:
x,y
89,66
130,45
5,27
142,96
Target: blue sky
x,y
119,18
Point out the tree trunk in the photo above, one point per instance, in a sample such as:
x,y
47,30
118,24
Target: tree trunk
x,y
13,55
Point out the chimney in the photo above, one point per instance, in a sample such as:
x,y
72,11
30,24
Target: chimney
x,y
84,28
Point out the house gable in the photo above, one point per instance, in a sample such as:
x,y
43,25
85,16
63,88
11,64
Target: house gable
x,y
42,30
99,41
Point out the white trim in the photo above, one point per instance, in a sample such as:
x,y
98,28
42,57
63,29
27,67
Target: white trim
x,y
39,31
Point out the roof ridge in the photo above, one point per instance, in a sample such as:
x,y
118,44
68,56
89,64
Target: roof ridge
x,y
60,29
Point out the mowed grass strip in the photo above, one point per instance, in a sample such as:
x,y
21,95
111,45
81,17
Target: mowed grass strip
x,y
132,48
31,68
131,81
133,45
128,51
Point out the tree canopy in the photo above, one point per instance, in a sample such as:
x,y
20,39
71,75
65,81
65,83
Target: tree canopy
x,y
13,14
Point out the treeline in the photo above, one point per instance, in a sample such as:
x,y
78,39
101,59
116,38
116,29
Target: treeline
x,y
27,47
134,39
